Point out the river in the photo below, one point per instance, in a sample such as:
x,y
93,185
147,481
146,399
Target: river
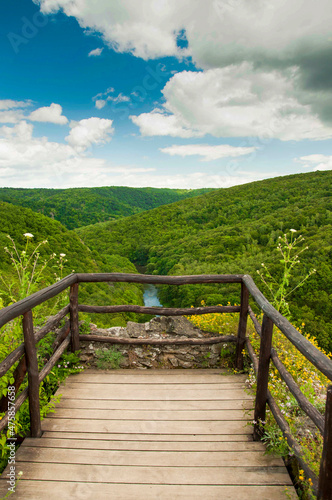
x,y
150,296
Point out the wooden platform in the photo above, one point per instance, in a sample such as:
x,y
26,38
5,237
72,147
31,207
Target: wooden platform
x,y
133,434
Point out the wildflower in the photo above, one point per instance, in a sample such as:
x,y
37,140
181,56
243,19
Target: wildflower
x,y
293,230
62,255
28,235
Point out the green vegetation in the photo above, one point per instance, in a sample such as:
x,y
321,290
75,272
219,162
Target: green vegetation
x,y
108,358
77,207
28,271
54,238
233,231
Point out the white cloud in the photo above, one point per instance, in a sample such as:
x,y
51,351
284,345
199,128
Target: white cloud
x,y
10,104
50,114
12,111
159,123
26,161
270,34
236,101
119,98
207,152
316,162
95,52
18,148
145,28
89,131
218,32
100,103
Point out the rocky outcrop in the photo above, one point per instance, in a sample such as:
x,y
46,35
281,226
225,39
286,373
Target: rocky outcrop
x,y
207,356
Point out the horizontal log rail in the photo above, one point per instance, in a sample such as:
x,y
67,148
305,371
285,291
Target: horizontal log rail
x,y
65,339
162,311
141,341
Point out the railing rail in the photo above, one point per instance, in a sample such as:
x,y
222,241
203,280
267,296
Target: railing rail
x,y
70,336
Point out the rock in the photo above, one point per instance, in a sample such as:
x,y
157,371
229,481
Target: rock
x,y
168,356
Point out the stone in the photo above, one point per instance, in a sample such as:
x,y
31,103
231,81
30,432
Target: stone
x,y
164,357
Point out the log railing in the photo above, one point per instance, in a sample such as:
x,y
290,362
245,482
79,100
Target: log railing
x,y
69,336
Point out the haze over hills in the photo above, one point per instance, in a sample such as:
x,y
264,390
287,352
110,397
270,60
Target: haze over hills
x,y
234,230
77,207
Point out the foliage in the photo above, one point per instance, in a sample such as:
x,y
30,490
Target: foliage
x,y
108,358
77,207
69,253
279,291
231,231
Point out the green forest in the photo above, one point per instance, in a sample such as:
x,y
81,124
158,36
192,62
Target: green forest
x,y
231,230
77,207
234,231
16,221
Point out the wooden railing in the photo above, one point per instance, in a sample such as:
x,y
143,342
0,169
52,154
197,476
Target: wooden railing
x,y
26,353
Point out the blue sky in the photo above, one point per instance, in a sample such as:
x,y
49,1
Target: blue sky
x,y
163,93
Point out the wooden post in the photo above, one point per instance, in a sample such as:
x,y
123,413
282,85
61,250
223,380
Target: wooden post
x,y
33,374
325,474
263,376
73,304
241,334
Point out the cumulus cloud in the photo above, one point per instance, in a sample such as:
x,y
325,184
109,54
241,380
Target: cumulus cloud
x,y
89,131
95,52
50,114
316,162
159,123
18,148
235,101
147,28
269,34
207,152
28,161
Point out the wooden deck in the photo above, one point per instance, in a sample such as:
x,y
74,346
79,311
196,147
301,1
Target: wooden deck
x,y
134,434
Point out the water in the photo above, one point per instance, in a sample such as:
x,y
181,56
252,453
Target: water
x,y
150,296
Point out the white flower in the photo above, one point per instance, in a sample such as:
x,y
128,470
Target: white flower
x,y
28,235
293,231
62,255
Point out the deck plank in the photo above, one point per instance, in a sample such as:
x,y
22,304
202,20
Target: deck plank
x,y
138,434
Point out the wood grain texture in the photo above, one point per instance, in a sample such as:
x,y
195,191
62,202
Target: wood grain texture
x,y
68,490
133,435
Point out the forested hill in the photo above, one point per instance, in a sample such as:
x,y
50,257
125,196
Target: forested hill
x,y
17,221
77,207
233,231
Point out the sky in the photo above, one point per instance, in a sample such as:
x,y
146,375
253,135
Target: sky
x,y
163,93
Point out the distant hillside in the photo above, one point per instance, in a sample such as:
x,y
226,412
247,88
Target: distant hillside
x,y
78,207
233,231
15,221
